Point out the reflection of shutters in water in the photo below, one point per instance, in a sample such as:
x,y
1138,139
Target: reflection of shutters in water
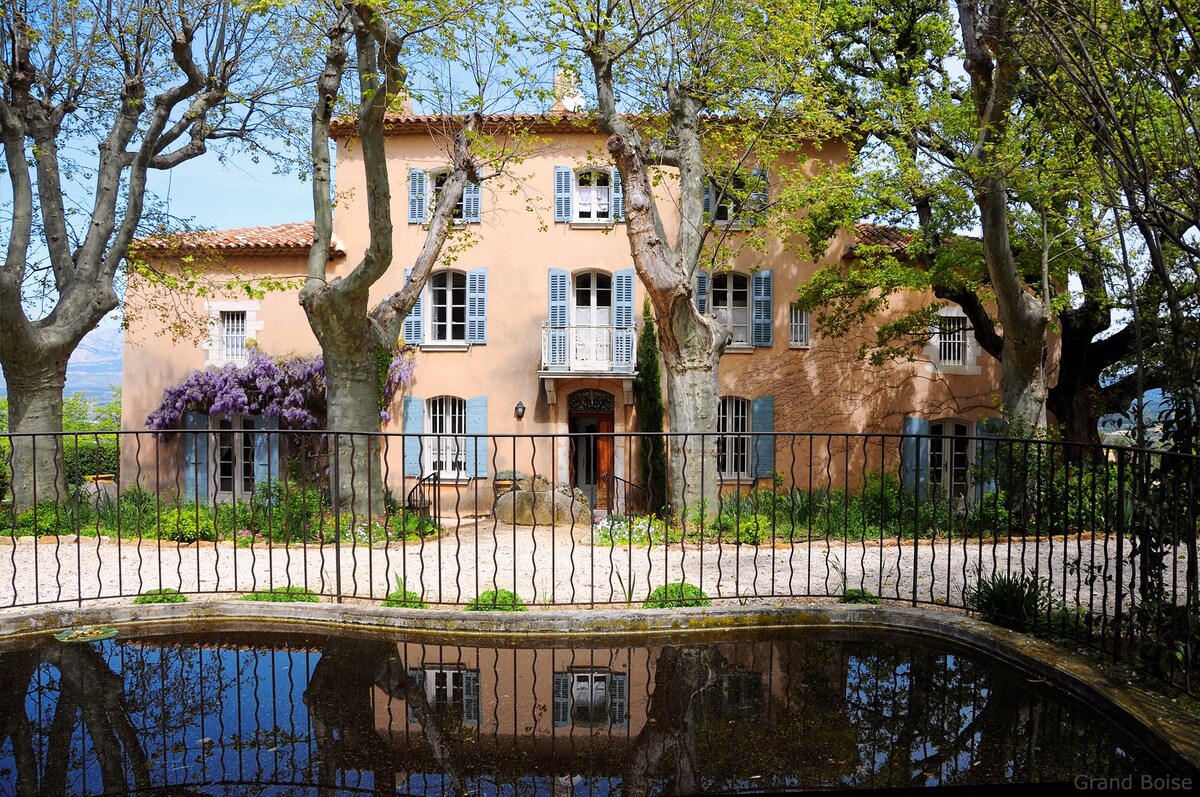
x,y
455,691
562,699
590,699
418,679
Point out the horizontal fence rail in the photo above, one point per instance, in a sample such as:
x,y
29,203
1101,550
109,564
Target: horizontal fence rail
x,y
1095,544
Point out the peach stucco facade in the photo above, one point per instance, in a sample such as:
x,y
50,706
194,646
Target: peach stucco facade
x,y
814,385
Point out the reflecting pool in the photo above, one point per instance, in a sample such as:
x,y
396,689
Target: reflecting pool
x,y
231,714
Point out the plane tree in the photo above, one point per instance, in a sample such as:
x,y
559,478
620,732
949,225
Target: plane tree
x,y
94,98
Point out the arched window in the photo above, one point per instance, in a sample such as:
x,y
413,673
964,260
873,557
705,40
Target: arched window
x,y
446,447
733,441
731,304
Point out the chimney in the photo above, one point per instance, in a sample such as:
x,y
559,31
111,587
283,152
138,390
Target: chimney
x,y
567,97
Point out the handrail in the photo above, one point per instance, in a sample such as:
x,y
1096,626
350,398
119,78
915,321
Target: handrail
x,y
613,481
417,498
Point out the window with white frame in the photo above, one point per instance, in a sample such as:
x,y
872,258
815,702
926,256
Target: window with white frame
x,y
424,190
952,340
593,195
733,437
950,459
439,182
730,301
739,199
799,337
233,335
590,697
448,307
445,689
233,458
446,446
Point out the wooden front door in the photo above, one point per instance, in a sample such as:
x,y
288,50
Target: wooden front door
x,y
604,461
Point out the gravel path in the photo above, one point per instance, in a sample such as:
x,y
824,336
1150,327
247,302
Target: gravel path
x,y
555,566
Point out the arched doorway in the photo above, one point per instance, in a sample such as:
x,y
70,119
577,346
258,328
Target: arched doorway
x,y
590,419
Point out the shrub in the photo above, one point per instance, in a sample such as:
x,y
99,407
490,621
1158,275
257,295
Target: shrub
x,y
402,598
1008,601
497,600
679,593
90,455
286,511
754,529
232,518
160,596
48,519
859,596
5,480
283,595
188,523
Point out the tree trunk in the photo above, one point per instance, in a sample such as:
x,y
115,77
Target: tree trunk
x,y
35,389
352,386
1023,369
692,402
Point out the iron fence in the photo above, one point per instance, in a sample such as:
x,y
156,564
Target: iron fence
x,y
1095,544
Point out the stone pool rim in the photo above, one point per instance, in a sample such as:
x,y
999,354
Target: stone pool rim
x,y
1168,730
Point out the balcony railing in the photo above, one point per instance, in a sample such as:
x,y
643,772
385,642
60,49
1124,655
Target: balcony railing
x,y
589,349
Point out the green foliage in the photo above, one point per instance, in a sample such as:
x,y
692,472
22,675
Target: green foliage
x,y
286,511
5,478
90,455
283,595
1009,601
648,398
188,523
165,595
636,529
402,598
48,519
859,596
496,600
676,594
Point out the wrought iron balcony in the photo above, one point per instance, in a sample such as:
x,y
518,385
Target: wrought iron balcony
x,y
589,349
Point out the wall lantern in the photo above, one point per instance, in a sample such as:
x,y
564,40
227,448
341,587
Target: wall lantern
x,y
520,410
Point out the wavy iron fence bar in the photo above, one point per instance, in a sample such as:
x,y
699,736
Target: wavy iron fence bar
x,y
1095,544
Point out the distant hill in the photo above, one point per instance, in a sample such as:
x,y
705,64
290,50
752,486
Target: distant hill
x,y
1156,405
94,367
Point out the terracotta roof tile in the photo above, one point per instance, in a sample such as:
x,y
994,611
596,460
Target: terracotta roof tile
x,y
278,239
896,238
399,124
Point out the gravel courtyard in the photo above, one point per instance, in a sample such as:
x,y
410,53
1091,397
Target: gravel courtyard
x,y
558,566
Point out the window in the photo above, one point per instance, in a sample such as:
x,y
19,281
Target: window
x,y
952,340
949,459
737,200
799,336
424,188
731,305
233,463
447,446
588,196
734,697
593,196
448,313
450,690
233,335
589,698
733,441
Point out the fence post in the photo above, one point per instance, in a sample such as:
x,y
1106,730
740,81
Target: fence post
x,y
335,489
1121,506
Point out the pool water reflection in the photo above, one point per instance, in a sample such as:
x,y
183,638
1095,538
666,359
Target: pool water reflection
x,y
269,714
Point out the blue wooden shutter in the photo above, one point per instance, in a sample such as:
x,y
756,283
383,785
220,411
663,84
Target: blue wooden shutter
x,y
195,458
984,463
708,200
418,678
762,423
472,202
413,322
759,198
418,181
560,295
477,441
266,448
564,190
414,427
914,454
471,697
618,197
702,292
764,310
618,700
477,290
562,699
623,320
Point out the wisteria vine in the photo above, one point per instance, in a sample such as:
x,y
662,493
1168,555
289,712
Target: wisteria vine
x,y
291,389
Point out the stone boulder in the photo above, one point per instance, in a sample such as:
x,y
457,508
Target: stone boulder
x,y
540,507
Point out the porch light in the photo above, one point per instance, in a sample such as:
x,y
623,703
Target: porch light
x,y
519,410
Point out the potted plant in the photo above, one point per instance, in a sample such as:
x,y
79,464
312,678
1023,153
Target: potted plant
x,y
506,481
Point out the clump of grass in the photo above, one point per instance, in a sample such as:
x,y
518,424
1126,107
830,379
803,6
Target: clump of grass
x,y
165,595
1008,601
284,595
676,594
497,600
859,596
402,598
